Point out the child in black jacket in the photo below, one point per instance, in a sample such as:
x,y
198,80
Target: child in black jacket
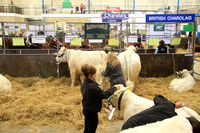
x,y
92,98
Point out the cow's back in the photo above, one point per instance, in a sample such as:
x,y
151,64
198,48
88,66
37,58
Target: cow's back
x,y
77,58
130,62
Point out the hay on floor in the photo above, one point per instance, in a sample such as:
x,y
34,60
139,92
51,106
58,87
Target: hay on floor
x,y
51,102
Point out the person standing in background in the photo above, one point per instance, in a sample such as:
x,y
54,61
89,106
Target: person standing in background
x,y
81,8
162,48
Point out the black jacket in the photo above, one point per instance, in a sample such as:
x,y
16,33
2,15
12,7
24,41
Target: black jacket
x,y
162,49
93,95
162,109
115,74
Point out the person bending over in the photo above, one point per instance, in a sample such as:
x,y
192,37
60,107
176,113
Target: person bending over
x,y
162,109
114,70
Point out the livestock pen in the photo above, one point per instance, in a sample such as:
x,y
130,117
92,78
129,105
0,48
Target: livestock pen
x,y
41,101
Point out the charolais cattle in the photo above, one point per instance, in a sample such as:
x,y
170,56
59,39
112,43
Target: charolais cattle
x,y
5,84
130,104
131,65
77,58
176,124
185,82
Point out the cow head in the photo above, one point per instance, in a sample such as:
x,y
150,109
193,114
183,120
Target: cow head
x,y
132,48
184,73
60,56
114,99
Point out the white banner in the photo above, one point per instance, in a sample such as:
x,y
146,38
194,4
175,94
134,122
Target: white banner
x,y
38,39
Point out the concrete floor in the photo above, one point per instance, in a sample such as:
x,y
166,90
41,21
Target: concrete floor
x,y
112,127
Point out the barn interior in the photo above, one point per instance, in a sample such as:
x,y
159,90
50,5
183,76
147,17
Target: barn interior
x,y
31,33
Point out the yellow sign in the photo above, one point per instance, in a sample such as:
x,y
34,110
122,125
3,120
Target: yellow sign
x,y
76,41
175,41
18,41
60,26
153,41
113,41
1,44
141,31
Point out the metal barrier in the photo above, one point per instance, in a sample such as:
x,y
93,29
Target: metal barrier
x,y
42,35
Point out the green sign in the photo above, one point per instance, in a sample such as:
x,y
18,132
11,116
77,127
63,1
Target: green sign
x,y
67,4
189,27
159,27
97,30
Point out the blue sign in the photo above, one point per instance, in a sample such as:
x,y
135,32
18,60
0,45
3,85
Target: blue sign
x,y
176,18
112,20
123,16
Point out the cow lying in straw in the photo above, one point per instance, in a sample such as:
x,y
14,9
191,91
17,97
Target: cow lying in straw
x,y
185,83
130,104
5,84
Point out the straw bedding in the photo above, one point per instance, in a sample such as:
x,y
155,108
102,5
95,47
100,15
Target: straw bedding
x,y
51,102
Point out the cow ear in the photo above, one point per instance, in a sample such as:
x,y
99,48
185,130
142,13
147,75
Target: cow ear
x,y
64,50
129,85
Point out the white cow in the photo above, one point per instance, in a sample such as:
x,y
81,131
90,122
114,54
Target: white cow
x,y
176,124
185,83
77,58
5,84
131,104
131,65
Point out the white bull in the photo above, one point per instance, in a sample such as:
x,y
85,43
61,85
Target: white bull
x,y
5,84
131,65
131,104
77,58
176,124
185,83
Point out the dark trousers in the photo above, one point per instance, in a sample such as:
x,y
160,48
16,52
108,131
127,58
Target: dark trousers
x,y
118,80
91,121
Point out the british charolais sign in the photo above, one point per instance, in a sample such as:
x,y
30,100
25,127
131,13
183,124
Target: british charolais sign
x,y
169,18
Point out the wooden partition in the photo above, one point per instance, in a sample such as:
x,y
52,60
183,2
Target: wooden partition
x,y
153,65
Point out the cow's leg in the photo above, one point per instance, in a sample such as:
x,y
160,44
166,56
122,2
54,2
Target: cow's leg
x,y
104,82
82,77
73,77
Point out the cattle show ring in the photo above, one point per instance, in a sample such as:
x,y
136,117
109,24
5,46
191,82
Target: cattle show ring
x,y
40,66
